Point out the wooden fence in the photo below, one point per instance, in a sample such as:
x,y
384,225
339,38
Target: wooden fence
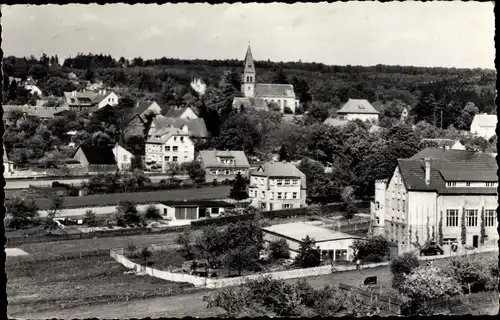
x,y
393,305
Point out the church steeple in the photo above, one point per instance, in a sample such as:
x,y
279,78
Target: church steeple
x,y
249,65
248,78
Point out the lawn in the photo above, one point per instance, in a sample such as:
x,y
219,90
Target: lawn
x,y
45,250
34,286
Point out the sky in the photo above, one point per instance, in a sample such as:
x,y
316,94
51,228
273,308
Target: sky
x,y
436,34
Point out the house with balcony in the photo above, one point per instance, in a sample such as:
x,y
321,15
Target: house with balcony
x,y
221,165
90,100
195,127
438,190
166,146
277,186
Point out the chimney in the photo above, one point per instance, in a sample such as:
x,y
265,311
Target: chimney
x,y
427,162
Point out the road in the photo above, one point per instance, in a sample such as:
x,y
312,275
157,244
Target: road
x,y
192,304
24,184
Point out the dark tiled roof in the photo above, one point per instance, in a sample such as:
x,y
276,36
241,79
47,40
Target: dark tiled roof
x,y
196,127
175,112
198,203
272,90
99,155
413,174
448,155
209,158
358,106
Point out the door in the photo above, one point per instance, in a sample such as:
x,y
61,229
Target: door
x,y
475,241
270,207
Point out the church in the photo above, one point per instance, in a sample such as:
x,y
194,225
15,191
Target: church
x,y
260,95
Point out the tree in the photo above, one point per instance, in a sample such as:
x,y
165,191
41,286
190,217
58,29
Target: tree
x,y
127,211
152,213
374,249
279,249
56,205
463,233
146,254
283,154
195,171
211,245
440,230
184,241
91,218
483,230
241,258
465,119
280,77
21,212
424,285
308,255
349,199
401,266
238,191
473,272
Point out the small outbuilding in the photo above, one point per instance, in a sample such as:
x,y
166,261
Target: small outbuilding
x,y
334,245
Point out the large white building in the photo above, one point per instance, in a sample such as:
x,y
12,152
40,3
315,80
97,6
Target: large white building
x,y
277,186
484,125
260,95
334,245
169,145
436,187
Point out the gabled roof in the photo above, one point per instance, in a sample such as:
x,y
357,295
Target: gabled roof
x,y
176,112
299,230
121,144
196,127
163,135
209,158
98,155
336,122
142,106
257,103
279,169
358,106
485,120
272,90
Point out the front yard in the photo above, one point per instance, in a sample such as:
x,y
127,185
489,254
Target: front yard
x,y
33,286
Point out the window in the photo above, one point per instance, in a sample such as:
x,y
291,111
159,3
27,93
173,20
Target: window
x,y
467,184
294,195
471,218
185,157
403,206
279,195
262,181
340,255
124,157
287,182
279,182
175,148
263,195
295,182
451,184
174,159
490,184
165,211
214,211
287,206
167,158
175,138
490,216
452,218
378,220
182,139
167,148
272,195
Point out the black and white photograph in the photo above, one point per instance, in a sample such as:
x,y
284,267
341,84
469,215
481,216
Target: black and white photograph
x,y
250,160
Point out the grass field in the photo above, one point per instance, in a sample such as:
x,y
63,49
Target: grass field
x,y
45,250
57,285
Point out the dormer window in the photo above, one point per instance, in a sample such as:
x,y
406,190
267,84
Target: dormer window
x,y
467,184
490,184
451,184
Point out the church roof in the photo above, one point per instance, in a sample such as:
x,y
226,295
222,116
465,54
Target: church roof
x,y
257,103
249,65
271,90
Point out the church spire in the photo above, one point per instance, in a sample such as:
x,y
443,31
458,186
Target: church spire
x,y
249,65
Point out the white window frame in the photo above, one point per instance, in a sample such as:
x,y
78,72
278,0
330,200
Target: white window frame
x,y
279,182
452,217
279,195
471,217
490,217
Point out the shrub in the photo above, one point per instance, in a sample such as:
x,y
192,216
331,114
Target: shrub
x,y
308,256
474,272
214,182
401,266
91,218
374,249
152,213
287,110
279,249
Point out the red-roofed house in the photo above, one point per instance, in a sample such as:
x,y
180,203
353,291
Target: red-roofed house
x,y
443,188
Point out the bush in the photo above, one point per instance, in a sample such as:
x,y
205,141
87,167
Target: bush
x,y
91,218
214,182
309,256
374,249
473,271
152,213
287,110
401,266
279,249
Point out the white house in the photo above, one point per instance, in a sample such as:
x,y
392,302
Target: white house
x,y
194,209
334,245
169,145
89,100
442,188
8,165
484,125
221,165
358,109
259,95
123,157
277,186
33,89
199,86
